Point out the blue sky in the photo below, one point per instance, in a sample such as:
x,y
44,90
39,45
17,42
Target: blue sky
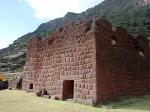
x,y
18,17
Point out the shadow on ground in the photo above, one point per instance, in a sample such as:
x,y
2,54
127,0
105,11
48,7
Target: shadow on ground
x,y
135,103
20,101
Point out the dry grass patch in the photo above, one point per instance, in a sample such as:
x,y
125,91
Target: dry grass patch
x,y
19,101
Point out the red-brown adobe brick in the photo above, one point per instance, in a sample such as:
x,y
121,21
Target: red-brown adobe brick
x,y
104,62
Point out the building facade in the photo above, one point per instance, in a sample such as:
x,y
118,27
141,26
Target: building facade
x,y
89,62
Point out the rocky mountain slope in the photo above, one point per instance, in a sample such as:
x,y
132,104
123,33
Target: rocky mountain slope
x,y
133,15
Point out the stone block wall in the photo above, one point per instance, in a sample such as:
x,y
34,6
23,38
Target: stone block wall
x,y
91,62
15,82
123,68
69,54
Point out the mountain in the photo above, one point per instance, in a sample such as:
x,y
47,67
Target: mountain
x,y
133,15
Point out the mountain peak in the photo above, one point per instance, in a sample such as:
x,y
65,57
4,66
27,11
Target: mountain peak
x,y
70,14
128,2
132,15
141,2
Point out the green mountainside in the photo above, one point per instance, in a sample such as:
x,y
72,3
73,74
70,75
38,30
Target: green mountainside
x,y
133,15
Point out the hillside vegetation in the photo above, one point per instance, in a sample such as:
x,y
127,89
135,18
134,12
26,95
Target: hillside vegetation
x,y
133,15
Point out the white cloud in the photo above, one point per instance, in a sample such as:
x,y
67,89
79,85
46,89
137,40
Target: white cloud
x,y
50,9
4,45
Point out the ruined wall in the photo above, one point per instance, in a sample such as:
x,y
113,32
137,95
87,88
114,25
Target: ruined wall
x,y
99,61
69,54
123,69
15,82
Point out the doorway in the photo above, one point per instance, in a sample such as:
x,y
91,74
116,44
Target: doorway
x,y
19,84
68,89
31,86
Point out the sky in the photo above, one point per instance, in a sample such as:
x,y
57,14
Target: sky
x,y
19,17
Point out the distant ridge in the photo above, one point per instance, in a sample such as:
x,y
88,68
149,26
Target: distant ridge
x,y
133,15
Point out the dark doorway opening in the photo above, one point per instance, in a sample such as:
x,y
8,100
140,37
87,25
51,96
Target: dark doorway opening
x,y
68,89
19,84
31,86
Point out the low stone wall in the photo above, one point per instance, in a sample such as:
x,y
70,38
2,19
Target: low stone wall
x,y
15,82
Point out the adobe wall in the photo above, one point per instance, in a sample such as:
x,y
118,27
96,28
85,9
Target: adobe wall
x,y
104,62
123,68
69,54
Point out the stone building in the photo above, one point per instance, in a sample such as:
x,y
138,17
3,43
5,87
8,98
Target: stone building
x,y
89,62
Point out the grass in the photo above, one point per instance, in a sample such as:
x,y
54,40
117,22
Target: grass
x,y
14,55
19,101
134,103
